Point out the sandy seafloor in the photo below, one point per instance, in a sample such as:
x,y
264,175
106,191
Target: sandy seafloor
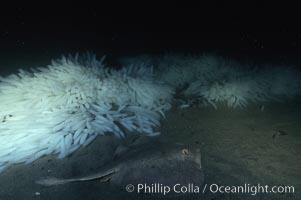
x,y
237,148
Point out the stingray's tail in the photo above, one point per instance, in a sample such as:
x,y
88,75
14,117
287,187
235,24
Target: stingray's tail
x,y
51,181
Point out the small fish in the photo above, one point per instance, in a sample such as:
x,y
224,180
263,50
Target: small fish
x,y
262,108
183,106
279,133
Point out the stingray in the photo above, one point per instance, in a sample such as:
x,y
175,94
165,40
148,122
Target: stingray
x,y
158,164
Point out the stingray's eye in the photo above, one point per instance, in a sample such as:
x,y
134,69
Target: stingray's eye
x,y
185,151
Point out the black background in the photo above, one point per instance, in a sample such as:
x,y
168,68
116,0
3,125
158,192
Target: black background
x,y
248,29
